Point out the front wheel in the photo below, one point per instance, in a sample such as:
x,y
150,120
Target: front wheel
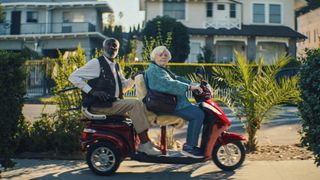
x,y
230,156
103,158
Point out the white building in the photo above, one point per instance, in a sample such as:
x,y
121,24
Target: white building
x,y
308,23
48,25
253,27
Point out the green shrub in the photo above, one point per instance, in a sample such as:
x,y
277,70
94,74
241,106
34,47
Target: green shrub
x,y
41,134
12,81
66,137
52,133
59,132
67,126
24,134
310,106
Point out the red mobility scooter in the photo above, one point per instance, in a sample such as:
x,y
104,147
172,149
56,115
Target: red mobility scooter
x,y
108,140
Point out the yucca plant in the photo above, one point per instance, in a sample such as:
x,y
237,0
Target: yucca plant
x,y
253,89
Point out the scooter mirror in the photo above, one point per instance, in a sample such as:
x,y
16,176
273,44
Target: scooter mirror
x,y
200,71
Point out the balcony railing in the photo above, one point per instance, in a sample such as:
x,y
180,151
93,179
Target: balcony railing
x,y
46,28
228,24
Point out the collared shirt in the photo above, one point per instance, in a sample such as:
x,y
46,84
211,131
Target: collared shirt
x,y
91,70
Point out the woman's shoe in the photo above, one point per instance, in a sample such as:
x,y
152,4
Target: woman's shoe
x,y
192,151
149,149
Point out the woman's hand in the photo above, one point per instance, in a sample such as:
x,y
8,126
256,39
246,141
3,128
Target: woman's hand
x,y
196,88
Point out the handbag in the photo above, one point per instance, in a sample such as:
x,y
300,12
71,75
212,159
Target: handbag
x,y
159,102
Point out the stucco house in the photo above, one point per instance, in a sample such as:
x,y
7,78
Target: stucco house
x,y
308,24
47,25
253,27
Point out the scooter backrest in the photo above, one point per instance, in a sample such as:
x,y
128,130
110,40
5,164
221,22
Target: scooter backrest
x,y
141,92
141,89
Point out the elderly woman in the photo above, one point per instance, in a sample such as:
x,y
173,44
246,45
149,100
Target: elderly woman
x,y
162,80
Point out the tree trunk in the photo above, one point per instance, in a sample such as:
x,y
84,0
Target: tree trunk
x,y
252,128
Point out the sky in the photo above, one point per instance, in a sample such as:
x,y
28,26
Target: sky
x,y
130,8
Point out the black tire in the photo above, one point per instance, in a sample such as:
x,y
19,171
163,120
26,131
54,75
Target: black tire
x,y
106,150
237,149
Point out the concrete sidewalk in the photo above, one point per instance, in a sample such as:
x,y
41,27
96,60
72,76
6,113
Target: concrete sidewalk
x,y
251,170
275,133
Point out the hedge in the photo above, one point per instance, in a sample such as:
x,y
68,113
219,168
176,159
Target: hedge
x,y
12,81
310,106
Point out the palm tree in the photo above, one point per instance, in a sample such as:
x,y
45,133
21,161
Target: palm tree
x,y
253,90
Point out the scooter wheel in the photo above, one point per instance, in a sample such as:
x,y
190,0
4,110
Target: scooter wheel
x,y
230,156
103,158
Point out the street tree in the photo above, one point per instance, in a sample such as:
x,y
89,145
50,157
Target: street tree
x,y
163,26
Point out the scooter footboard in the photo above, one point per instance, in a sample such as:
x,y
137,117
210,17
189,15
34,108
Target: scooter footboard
x,y
229,137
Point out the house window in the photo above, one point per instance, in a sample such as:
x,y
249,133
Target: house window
x,y
220,7
209,9
275,13
270,50
232,10
258,13
73,17
175,9
32,16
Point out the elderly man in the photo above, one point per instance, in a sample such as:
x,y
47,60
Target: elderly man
x,y
105,88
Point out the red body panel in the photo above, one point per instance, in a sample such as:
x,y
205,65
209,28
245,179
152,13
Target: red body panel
x,y
228,137
222,118
120,134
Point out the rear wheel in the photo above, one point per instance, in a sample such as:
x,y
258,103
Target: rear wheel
x,y
230,156
103,158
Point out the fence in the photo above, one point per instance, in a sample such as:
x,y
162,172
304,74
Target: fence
x,y
37,82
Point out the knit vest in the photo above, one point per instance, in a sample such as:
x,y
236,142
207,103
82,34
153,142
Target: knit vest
x,y
106,82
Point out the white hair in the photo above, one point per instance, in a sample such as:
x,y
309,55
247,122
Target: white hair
x,y
158,50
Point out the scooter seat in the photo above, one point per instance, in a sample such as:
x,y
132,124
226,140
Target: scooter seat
x,y
91,116
153,118
164,120
112,120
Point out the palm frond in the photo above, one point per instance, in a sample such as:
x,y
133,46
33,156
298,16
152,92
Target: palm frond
x,y
245,69
228,101
271,93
